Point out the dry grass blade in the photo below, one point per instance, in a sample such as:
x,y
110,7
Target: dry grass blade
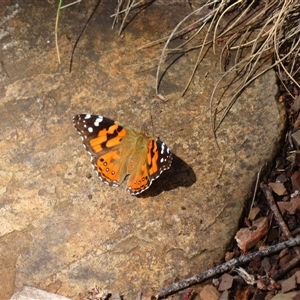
x,y
227,10
118,12
201,23
56,30
131,4
127,10
59,8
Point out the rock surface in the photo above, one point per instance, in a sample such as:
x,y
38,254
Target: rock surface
x,y
64,231
30,293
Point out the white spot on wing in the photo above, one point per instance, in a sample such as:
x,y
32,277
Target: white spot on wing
x,y
98,120
90,129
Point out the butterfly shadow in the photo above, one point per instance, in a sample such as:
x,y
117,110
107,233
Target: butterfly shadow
x,y
179,174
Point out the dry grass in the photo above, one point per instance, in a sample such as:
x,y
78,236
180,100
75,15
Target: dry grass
x,y
122,13
268,30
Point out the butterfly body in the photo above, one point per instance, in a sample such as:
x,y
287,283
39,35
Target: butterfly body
x,y
117,151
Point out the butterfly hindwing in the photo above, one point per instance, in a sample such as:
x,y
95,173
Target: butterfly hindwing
x,y
158,159
108,168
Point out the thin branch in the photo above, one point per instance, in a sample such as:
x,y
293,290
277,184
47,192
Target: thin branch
x,y
277,215
233,263
287,267
278,218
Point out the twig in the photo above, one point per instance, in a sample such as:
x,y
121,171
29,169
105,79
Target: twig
x,y
278,218
277,215
288,266
272,204
175,287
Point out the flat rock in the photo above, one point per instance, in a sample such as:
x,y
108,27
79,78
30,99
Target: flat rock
x,y
30,293
64,231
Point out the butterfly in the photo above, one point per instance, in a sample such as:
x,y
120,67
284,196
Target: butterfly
x,y
118,151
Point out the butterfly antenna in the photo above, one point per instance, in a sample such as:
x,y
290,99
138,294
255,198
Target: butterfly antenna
x,y
152,119
173,132
152,124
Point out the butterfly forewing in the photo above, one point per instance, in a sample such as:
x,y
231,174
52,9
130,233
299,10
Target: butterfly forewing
x,y
97,132
101,137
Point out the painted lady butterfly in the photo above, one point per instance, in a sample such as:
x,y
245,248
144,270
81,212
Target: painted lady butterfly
x,y
117,151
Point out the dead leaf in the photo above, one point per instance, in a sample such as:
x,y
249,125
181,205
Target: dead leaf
x,y
289,284
248,237
296,297
285,259
296,137
253,213
224,296
290,207
295,107
288,296
226,282
209,292
296,205
266,265
278,188
229,256
297,275
295,179
284,206
244,293
266,283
